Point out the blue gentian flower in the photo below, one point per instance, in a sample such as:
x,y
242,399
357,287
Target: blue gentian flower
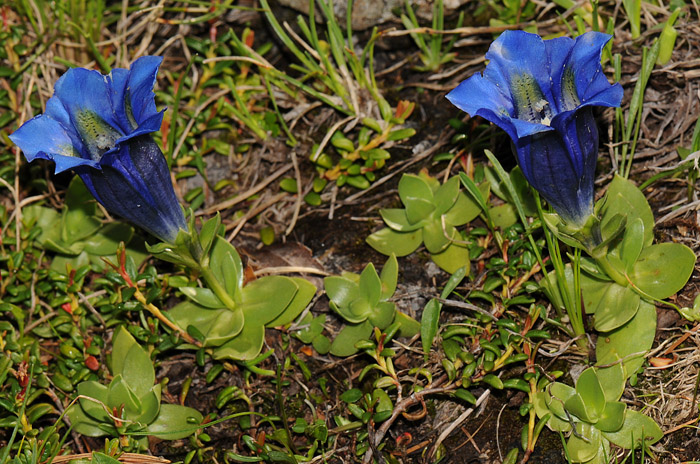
x,y
100,126
541,92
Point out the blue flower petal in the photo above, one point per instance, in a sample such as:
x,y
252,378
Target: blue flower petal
x,y
142,78
86,98
519,60
45,138
585,62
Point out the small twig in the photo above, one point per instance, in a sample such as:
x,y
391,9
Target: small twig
x,y
445,433
248,193
290,270
297,204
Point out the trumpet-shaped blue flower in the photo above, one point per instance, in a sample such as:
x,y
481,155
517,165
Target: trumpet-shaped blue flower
x,y
100,126
541,92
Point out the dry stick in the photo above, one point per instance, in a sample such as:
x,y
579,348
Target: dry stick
x,y
238,224
401,407
251,191
445,433
126,458
290,270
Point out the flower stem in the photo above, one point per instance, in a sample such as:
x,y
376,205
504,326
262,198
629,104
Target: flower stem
x,y
153,309
216,286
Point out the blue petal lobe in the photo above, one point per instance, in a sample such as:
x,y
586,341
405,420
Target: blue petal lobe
x,y
585,62
142,78
519,59
45,138
85,95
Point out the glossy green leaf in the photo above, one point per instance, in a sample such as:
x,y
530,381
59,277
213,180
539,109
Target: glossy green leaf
x,y
584,449
303,296
651,273
396,219
121,394
429,324
262,300
344,343
150,406
98,392
208,233
383,314
616,306
101,458
226,265
612,381
106,240
632,243
86,425
612,417
217,325
370,285
408,327
557,395
452,258
412,186
454,280
629,342
203,297
341,291
244,346
437,238
624,198
388,241
503,216
175,422
418,209
636,427
389,277
446,195
132,362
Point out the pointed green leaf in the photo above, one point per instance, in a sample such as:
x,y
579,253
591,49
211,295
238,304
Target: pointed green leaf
x,y
397,220
226,265
98,392
429,324
382,315
412,186
132,362
303,296
203,297
452,258
370,285
408,327
121,394
446,195
244,346
389,277
632,243
612,381
587,448
436,238
612,417
637,428
557,395
624,198
341,291
344,343
86,425
175,422
388,241
418,209
150,405
217,325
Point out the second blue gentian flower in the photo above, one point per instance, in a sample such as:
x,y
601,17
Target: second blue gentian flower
x,y
541,92
99,126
